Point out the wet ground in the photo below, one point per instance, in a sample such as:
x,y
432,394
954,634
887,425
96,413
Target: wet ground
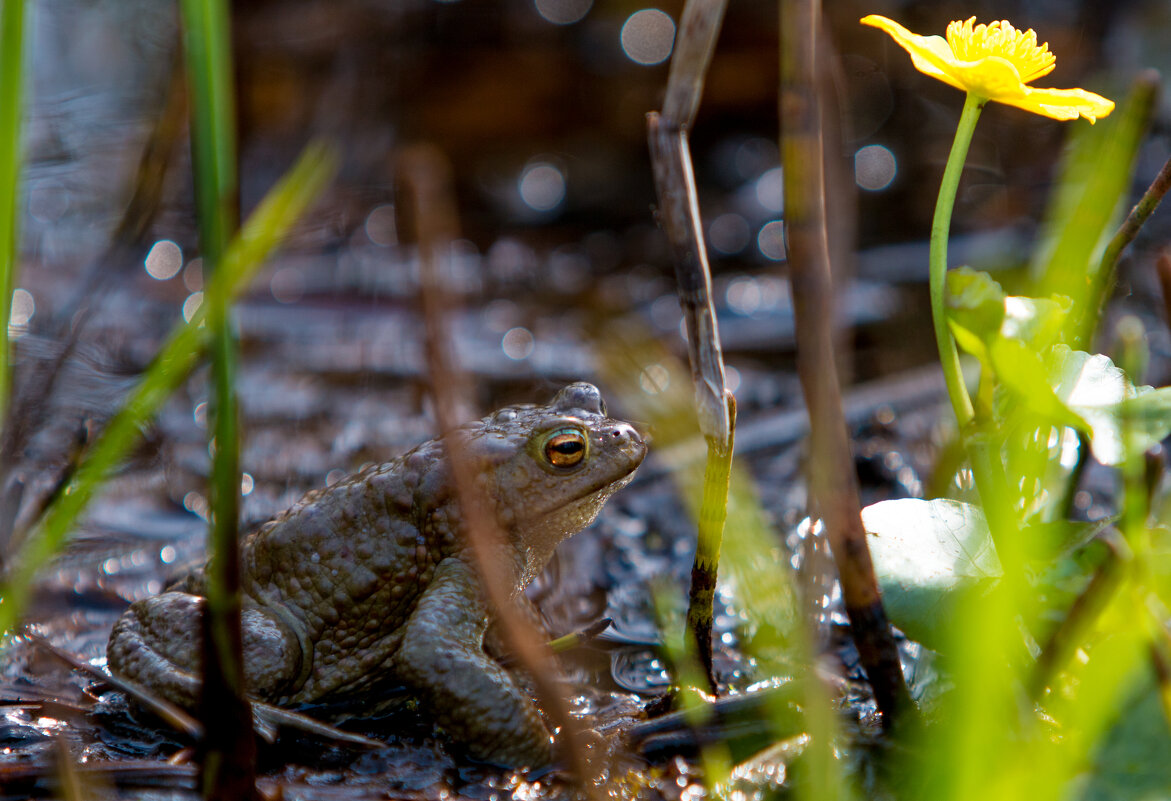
x,y
560,275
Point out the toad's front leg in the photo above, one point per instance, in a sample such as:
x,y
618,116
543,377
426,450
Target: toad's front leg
x,y
442,659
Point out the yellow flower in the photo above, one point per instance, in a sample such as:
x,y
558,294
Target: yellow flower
x,y
994,62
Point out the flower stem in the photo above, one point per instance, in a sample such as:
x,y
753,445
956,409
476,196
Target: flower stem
x,y
940,226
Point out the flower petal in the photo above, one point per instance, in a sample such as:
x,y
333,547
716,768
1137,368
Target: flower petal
x,y
991,77
1062,104
931,55
997,53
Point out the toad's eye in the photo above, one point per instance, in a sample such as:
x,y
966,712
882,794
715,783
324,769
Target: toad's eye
x,y
565,447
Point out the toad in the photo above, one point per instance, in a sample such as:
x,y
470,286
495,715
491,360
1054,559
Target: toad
x,y
372,582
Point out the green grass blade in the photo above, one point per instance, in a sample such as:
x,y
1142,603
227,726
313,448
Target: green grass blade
x,y
228,752
263,231
207,42
11,98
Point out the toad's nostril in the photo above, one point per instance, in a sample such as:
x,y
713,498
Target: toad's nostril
x,y
626,432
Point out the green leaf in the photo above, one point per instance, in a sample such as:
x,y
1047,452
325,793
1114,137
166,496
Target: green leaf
x,y
975,301
1097,390
1148,415
1035,322
927,555
979,309
1134,758
1021,370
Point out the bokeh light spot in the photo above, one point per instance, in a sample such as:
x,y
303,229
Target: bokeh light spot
x,y
729,234
770,190
875,167
287,285
731,378
164,261
380,226
542,186
191,305
744,295
23,308
655,378
563,12
771,240
648,36
518,343
193,275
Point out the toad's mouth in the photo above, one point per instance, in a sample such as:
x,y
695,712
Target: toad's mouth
x,y
594,497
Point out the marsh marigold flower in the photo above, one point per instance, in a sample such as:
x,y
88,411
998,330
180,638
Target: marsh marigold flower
x,y
994,62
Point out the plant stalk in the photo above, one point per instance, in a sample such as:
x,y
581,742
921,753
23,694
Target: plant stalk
x,y
949,357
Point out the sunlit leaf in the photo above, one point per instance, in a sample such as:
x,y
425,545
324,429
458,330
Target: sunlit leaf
x,y
926,555
1020,369
1097,390
975,301
1034,321
979,309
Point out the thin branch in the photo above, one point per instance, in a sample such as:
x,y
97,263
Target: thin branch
x,y
426,175
679,215
833,481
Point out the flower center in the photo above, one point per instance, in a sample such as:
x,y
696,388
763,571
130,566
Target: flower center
x,y
971,42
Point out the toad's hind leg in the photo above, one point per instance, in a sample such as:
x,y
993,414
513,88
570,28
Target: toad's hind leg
x,y
442,659
156,643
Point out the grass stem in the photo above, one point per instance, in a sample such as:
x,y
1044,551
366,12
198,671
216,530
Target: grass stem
x,y
11,107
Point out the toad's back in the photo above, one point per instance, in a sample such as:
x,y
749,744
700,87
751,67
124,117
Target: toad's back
x,y
349,562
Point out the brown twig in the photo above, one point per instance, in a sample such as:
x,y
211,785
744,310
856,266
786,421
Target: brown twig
x,y
426,175
1108,266
833,482
1163,271
679,215
172,715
